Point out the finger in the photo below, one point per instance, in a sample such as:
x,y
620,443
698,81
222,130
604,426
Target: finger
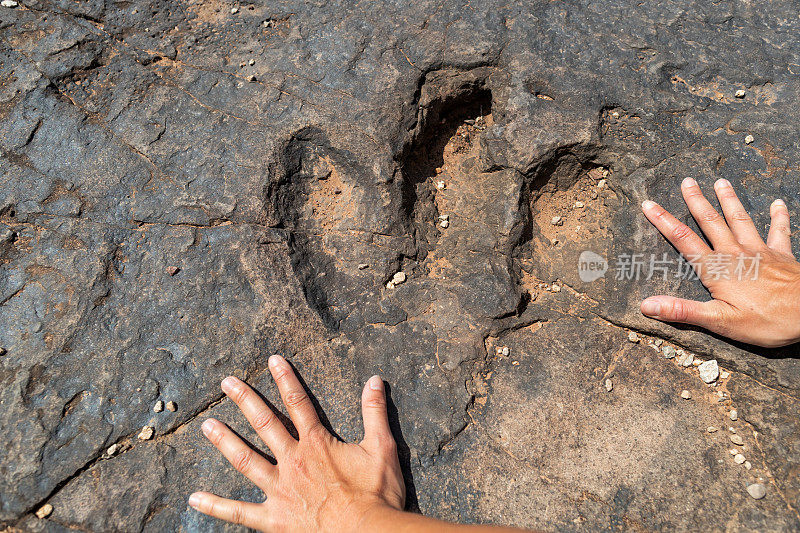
x,y
247,462
244,513
294,396
779,237
377,435
738,219
266,423
709,315
686,241
711,223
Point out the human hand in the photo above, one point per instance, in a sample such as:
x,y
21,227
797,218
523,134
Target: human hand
x,y
764,310
319,482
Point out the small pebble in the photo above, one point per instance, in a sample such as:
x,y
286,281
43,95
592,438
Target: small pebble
x,y
505,351
390,285
601,184
172,270
441,185
399,277
668,351
732,429
709,371
748,465
172,406
733,451
159,406
686,395
363,266
686,360
251,79
251,62
444,223
633,337
749,139
114,448
737,439
740,93
146,433
734,414
555,288
712,429
45,510
658,342
757,490
738,459
234,10
609,385
13,3
557,221
697,362
579,205
2,352
725,374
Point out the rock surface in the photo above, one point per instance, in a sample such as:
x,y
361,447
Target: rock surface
x,y
165,222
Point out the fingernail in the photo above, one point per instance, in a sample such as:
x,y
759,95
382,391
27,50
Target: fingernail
x,y
647,204
651,307
689,182
194,500
722,182
275,360
375,383
230,384
207,427
779,202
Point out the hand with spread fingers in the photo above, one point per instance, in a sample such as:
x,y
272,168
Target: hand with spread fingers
x,y
319,482
755,285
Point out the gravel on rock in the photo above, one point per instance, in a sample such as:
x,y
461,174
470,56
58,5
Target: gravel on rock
x,y
757,490
737,439
709,371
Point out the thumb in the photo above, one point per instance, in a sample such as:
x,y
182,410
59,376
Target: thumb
x,y
709,315
377,435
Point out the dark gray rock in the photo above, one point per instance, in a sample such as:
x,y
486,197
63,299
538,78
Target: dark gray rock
x,y
132,141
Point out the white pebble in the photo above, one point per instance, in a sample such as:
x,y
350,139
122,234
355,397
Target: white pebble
x,y
697,362
172,406
9,3
45,510
712,429
757,490
440,185
234,10
390,285
251,62
159,406
399,278
725,374
601,184
146,433
505,351
444,223
738,459
748,465
709,371
114,448
740,93
734,414
555,288
686,395
363,266
557,221
686,359
749,139
733,451
579,205
633,337
609,385
737,439
668,351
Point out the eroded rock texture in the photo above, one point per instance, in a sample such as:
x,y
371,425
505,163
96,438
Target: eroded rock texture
x,y
270,154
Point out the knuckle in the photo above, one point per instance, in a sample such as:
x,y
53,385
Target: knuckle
x,y
679,310
375,402
242,460
681,232
241,395
237,514
264,420
295,399
387,445
739,215
318,435
709,215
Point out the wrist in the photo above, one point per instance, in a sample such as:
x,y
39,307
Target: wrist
x,y
371,515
